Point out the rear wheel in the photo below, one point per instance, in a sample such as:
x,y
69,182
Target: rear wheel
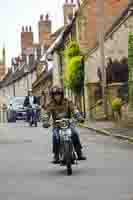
x,y
68,158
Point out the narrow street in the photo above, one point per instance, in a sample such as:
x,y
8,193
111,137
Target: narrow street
x,y
27,174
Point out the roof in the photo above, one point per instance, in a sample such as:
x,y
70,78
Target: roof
x,y
11,77
19,73
57,32
43,77
59,40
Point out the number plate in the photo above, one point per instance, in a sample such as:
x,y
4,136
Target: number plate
x,y
67,134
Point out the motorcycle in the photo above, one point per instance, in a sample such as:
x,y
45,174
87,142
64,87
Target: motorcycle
x,y
67,153
33,115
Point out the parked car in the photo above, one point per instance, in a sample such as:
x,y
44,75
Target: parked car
x,y
16,111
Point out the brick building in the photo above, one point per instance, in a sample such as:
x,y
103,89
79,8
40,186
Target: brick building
x,y
84,30
26,67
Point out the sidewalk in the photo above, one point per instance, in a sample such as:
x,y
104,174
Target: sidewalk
x,y
111,129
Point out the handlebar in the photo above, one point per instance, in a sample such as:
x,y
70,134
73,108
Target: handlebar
x,y
63,119
32,108
66,119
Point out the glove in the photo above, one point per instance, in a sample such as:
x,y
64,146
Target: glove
x,y
46,125
81,120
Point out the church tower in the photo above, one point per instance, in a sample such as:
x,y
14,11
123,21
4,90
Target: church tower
x,y
4,56
3,64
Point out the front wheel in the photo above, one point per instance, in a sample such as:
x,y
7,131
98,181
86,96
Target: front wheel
x,y
68,158
36,124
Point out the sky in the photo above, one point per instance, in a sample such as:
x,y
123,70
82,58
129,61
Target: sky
x,y
17,13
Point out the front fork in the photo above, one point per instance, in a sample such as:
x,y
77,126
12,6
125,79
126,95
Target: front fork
x,y
68,141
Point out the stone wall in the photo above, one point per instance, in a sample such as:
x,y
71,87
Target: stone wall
x,y
91,108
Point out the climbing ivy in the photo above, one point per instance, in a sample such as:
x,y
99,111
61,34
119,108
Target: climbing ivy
x,y
130,68
73,69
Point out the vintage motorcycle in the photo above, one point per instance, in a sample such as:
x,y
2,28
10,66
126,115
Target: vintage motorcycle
x,y
67,153
33,111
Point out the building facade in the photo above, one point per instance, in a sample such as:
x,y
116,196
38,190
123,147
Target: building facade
x,y
116,49
26,68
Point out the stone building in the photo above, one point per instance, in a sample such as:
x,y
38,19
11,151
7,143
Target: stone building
x,y
84,30
116,48
53,77
43,83
26,68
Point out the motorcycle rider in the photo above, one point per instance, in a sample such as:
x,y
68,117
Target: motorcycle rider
x,y
30,102
60,107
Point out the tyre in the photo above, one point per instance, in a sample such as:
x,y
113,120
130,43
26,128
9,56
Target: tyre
x,y
35,124
11,116
68,157
30,123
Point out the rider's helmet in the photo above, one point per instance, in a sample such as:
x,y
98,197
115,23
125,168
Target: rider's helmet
x,y
56,90
29,91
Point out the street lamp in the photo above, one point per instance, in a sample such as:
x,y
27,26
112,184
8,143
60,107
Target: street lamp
x,y
100,35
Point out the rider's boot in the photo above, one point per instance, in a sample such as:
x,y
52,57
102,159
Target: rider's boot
x,y
56,159
80,154
56,154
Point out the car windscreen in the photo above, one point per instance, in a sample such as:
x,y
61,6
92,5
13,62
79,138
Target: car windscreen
x,y
17,102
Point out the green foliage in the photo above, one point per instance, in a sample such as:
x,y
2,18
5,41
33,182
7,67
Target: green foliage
x,y
72,50
130,67
74,69
116,104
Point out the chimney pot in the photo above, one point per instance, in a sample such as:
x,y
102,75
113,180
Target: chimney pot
x,y
66,1
30,29
47,17
22,28
78,2
71,1
26,28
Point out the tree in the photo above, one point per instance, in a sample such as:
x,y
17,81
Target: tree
x,y
74,68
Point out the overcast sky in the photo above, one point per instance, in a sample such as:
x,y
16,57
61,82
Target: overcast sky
x,y
16,13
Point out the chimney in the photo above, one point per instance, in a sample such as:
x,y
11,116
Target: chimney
x,y
22,28
44,27
68,10
30,29
26,38
78,3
